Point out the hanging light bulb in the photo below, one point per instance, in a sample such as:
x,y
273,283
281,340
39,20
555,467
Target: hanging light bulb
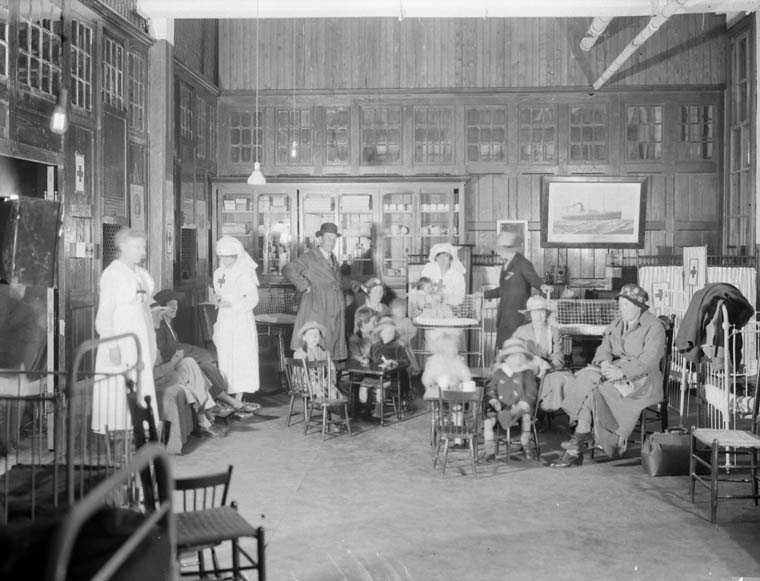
x,y
294,143
257,178
59,120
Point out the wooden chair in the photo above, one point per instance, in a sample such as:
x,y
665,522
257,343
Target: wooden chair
x,y
659,412
205,522
323,394
297,387
502,434
459,417
721,450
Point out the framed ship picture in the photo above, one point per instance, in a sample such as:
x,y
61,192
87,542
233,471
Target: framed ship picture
x,y
593,211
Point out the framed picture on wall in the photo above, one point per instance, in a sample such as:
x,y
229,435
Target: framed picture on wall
x,y
520,229
593,211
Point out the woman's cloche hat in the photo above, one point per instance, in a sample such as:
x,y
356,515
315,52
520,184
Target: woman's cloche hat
x,y
537,303
307,326
637,295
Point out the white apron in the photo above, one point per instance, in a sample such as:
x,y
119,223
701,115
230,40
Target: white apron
x,y
124,307
235,336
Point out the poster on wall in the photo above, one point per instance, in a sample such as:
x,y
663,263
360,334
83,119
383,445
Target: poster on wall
x,y
136,207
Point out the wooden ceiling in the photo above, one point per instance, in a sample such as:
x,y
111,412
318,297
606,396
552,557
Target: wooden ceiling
x,y
172,9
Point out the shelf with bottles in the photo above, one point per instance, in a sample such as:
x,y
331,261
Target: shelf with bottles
x,y
237,203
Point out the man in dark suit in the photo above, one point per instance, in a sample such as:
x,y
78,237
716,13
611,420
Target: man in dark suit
x,y
515,282
169,344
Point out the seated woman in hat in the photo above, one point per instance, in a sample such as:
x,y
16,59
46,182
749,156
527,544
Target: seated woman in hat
x,y
623,379
546,342
169,343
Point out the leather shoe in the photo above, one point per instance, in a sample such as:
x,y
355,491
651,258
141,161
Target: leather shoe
x,y
578,440
214,431
568,461
530,454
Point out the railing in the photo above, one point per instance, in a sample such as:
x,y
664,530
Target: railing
x,y
127,9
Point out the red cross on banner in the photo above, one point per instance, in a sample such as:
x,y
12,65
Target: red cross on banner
x,y
79,173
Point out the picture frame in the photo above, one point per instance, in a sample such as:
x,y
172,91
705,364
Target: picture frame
x,y
593,211
518,227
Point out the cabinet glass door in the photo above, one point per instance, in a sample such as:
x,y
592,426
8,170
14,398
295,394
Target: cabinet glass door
x,y
436,224
398,230
317,209
273,232
357,243
237,218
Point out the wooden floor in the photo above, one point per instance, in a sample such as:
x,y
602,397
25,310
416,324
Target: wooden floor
x,y
372,507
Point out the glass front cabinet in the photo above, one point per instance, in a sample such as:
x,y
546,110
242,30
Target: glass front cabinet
x,y
382,225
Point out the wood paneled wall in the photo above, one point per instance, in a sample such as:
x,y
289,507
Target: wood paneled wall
x,y
385,53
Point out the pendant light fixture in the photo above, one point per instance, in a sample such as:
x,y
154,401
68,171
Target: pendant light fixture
x,y
256,178
294,144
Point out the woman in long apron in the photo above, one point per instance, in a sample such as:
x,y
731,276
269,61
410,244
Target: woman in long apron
x,y
126,291
237,344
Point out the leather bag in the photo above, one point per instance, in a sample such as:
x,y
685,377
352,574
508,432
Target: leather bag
x,y
666,454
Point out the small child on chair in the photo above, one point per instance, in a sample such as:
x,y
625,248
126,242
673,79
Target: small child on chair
x,y
311,349
445,368
388,353
511,395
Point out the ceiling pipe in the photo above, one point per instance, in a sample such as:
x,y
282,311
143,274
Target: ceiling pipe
x,y
671,8
598,26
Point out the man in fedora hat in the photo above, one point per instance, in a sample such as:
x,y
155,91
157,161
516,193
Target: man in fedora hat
x,y
624,378
515,282
317,275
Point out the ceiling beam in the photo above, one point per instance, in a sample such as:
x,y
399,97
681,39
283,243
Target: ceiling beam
x,y
426,9
598,26
671,8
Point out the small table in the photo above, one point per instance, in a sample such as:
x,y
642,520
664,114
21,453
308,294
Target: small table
x,y
355,375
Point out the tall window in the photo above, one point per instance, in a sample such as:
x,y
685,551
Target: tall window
x,y
337,135
3,49
136,92
81,66
185,111
294,126
537,134
588,133
433,135
200,150
643,133
246,133
381,135
486,133
113,73
39,65
212,131
739,218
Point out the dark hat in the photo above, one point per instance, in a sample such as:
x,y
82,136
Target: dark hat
x,y
327,228
634,293
164,296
